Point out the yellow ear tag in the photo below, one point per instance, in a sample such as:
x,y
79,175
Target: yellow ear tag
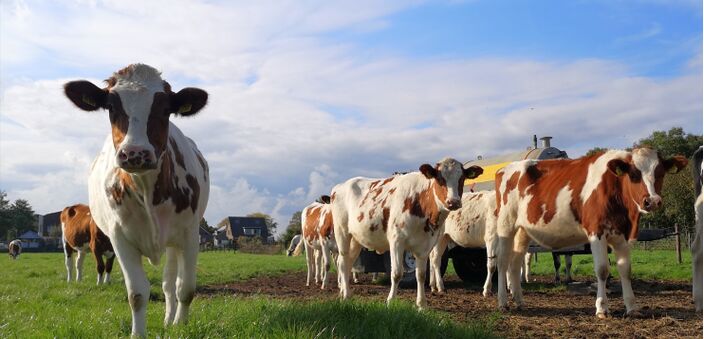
x,y
86,99
184,109
674,170
619,171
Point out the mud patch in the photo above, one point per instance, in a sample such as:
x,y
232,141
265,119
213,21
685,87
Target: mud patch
x,y
549,312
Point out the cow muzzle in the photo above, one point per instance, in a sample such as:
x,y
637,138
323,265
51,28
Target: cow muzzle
x,y
453,204
135,158
652,203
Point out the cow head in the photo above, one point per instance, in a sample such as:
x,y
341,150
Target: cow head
x,y
139,103
448,176
642,176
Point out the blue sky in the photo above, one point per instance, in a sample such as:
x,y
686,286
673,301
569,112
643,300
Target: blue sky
x,y
304,95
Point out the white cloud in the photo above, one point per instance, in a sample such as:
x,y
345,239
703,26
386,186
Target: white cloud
x,y
290,114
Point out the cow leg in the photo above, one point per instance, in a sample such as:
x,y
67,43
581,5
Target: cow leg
x,y
568,268
186,281
503,258
396,254
318,265
601,268
100,266
108,268
68,261
520,245
436,282
622,250
347,262
491,245
421,268
375,276
168,284
326,263
79,265
135,280
556,264
526,266
310,261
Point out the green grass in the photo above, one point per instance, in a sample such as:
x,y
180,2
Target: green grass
x,y
36,302
647,265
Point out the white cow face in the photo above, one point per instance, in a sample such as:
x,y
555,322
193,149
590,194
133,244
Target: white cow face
x,y
646,170
449,176
139,103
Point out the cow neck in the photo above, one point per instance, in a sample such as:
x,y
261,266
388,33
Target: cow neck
x,y
631,231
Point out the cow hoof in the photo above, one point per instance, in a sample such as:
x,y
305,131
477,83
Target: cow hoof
x,y
601,315
503,308
634,314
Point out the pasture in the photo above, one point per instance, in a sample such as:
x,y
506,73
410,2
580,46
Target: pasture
x,y
245,295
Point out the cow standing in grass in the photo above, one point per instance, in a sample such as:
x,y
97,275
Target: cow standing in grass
x,y
15,249
81,234
696,245
149,185
403,212
318,240
560,203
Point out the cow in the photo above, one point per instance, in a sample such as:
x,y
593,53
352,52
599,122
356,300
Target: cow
x,y
81,234
556,264
562,202
148,187
403,212
696,245
318,239
293,244
15,249
467,227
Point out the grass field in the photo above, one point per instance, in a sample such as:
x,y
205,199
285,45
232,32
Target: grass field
x,y
36,302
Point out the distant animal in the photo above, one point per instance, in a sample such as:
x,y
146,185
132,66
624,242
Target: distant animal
x,y
403,212
556,264
148,187
81,234
562,202
318,240
15,249
696,245
292,245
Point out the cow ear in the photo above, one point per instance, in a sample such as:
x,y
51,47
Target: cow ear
x,y
71,212
473,172
325,199
188,101
429,171
85,95
675,164
619,167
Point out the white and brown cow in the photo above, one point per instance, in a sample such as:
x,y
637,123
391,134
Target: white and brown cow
x,y
81,234
559,203
470,226
696,245
404,212
149,185
15,249
318,239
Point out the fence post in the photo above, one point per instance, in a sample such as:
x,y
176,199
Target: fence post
x,y
678,247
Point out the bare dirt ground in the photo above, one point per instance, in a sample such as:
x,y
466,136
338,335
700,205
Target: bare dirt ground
x,y
667,309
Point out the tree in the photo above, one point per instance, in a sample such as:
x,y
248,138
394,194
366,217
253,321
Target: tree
x,y
678,189
268,220
5,215
595,150
294,227
22,216
204,224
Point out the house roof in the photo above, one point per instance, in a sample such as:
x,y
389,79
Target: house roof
x,y
238,224
205,234
29,235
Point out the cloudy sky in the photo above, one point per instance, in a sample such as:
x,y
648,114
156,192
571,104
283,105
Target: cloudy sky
x,y
305,94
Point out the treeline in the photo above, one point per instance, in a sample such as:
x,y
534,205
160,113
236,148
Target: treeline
x,y
15,218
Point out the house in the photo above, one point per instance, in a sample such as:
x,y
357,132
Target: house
x,y
49,225
30,239
247,227
205,238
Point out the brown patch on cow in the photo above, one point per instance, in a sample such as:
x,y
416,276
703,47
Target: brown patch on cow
x,y
391,191
387,180
386,212
407,204
119,121
167,187
327,227
497,191
401,224
123,185
360,217
177,153
195,191
510,185
371,214
475,196
332,197
373,184
158,123
311,223
203,165
373,227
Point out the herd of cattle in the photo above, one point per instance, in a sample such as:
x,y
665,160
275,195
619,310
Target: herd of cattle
x,y
149,187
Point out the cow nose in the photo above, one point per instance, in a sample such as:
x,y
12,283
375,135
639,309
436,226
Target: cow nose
x,y
453,204
132,157
652,203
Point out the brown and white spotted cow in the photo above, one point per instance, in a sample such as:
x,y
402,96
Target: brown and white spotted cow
x,y
559,203
81,234
404,212
149,185
15,249
318,239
